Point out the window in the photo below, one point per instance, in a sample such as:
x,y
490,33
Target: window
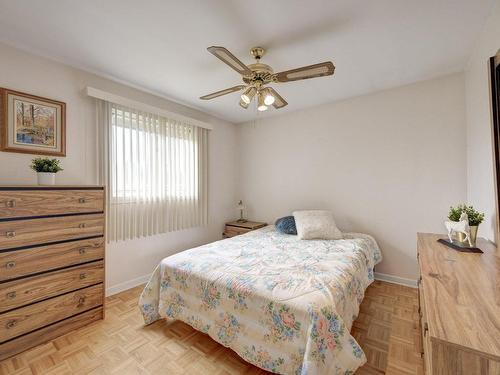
x,y
142,145
156,173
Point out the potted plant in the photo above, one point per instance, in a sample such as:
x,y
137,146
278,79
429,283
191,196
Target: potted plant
x,y
475,218
46,170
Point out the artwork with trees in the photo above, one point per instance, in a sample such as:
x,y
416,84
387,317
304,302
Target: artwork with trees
x,y
32,124
35,123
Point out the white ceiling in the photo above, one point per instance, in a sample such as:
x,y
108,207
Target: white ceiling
x,y
161,45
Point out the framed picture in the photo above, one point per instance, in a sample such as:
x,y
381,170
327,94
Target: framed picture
x,y
32,124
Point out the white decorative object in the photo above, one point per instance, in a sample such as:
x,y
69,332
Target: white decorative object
x,y
316,224
46,178
461,226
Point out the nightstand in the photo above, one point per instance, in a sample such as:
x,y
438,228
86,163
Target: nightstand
x,y
235,228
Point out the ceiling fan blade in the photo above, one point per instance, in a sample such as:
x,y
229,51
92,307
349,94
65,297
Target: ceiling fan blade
x,y
231,60
222,92
279,102
312,71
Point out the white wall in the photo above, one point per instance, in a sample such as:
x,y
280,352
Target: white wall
x,y
480,168
389,164
126,261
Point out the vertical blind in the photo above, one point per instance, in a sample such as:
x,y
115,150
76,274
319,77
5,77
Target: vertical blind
x,y
155,170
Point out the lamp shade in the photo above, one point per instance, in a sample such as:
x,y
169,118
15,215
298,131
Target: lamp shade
x,y
248,94
268,96
260,103
244,104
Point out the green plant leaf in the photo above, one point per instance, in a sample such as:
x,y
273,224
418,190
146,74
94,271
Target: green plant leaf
x,y
45,165
475,217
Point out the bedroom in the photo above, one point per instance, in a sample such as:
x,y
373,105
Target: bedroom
x,y
404,128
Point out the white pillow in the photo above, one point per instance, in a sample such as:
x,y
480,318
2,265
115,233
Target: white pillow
x,y
316,224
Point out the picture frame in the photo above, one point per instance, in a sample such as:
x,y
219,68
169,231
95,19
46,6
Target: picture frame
x,y
32,124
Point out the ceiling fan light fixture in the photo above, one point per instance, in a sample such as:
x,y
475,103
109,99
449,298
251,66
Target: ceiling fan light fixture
x,y
268,97
256,78
244,104
248,95
261,106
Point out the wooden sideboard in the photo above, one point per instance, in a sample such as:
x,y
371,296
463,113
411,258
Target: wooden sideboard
x,y
459,305
52,250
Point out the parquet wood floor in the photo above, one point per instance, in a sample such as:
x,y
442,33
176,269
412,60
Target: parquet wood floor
x,y
386,329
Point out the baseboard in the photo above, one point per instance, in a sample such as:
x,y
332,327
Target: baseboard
x,y
395,280
127,285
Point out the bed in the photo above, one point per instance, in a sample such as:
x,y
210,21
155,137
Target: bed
x,y
283,304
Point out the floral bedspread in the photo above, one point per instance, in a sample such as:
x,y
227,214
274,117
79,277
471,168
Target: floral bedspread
x,y
283,304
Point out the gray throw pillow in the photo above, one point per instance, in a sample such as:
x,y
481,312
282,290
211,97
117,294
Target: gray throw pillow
x,y
316,224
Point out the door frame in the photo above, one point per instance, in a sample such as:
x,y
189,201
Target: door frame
x,y
495,116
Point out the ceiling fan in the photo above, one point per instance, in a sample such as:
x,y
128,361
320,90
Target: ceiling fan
x,y
256,76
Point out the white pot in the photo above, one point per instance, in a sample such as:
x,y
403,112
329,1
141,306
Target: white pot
x,y
46,178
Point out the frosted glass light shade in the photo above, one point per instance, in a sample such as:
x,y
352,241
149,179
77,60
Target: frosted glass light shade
x,y
261,105
244,104
248,95
268,97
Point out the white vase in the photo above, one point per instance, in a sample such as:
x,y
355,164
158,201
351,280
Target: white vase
x,y
46,178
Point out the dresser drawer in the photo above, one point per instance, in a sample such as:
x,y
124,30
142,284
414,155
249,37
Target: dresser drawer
x,y
30,232
29,318
234,231
36,288
427,352
20,263
42,202
42,335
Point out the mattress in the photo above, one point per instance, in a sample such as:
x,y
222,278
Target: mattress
x,y
283,304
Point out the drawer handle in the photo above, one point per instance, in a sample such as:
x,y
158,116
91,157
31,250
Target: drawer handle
x,y
82,250
11,295
11,324
426,328
10,234
82,225
83,276
10,265
81,301
82,200
10,204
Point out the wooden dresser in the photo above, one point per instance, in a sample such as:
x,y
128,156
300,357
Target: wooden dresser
x,y
51,262
235,228
459,305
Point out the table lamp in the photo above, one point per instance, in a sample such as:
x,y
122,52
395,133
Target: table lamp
x,y
241,207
